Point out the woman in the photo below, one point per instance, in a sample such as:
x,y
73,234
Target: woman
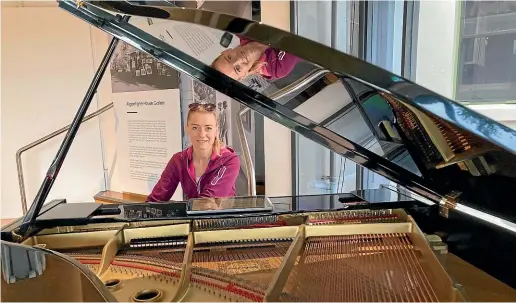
x,y
207,168
252,57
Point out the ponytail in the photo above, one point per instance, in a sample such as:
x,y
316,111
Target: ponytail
x,y
217,145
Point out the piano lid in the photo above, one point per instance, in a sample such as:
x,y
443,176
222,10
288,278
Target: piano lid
x,y
435,147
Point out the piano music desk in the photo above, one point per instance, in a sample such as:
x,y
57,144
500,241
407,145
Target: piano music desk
x,y
109,196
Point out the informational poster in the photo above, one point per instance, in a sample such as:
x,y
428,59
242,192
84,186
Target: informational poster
x,y
146,98
147,135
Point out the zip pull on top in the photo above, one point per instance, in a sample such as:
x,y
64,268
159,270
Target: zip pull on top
x,y
198,183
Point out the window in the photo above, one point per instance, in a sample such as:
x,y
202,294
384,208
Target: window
x,y
487,52
317,169
368,30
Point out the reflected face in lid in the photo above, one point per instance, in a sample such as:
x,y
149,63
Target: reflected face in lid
x,y
241,61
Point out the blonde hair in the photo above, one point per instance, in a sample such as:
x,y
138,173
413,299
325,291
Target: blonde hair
x,y
217,143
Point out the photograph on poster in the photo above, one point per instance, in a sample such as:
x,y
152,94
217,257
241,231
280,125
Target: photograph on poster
x,y
132,70
203,93
223,120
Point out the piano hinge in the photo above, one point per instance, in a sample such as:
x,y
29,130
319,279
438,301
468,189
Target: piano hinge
x,y
80,3
16,237
448,202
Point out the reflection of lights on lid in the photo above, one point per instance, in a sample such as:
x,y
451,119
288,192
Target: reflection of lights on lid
x,y
486,217
396,79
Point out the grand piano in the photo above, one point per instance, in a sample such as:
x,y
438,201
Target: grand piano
x,y
454,169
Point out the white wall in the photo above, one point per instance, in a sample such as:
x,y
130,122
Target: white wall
x,y
99,44
278,163
47,67
436,46
314,20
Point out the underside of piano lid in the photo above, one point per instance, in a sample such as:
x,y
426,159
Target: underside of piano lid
x,y
436,148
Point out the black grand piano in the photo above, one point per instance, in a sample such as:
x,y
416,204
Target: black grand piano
x,y
454,168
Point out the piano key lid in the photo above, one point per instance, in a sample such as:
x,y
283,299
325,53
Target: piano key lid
x,y
440,150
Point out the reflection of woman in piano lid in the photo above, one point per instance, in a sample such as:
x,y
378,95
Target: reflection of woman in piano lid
x,y
212,204
207,168
251,57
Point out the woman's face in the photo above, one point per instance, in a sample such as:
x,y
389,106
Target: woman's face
x,y
202,130
237,63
